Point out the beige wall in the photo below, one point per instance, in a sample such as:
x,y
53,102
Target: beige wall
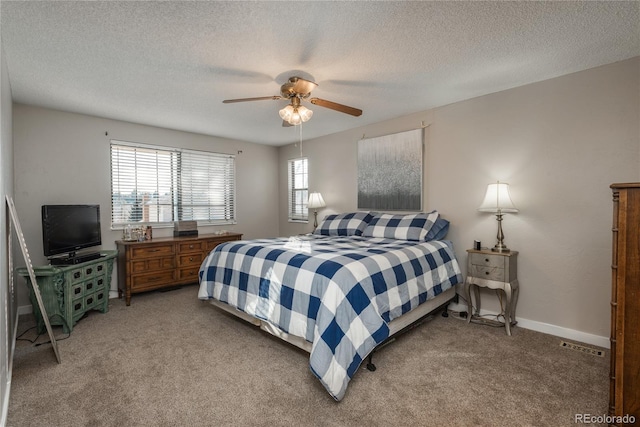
x,y
560,143
63,158
8,300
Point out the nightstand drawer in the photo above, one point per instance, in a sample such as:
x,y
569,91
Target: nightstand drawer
x,y
486,260
488,273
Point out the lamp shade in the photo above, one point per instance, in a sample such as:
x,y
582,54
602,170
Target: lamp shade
x,y
305,113
315,201
286,113
498,199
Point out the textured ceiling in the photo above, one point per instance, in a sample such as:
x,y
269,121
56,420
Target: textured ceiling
x,y
171,64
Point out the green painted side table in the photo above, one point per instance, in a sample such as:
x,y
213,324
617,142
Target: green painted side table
x,y
69,291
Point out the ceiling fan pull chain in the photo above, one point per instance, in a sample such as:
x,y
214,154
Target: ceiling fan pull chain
x,y
300,139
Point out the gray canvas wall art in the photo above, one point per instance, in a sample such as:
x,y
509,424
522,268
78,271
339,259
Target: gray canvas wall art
x,y
390,172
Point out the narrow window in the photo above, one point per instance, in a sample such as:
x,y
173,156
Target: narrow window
x,y
298,173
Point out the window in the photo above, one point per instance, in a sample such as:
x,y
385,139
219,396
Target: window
x,y
160,185
298,172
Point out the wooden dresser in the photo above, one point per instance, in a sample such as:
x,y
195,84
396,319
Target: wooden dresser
x,y
163,262
624,390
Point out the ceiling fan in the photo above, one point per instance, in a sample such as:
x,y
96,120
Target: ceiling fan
x,y
295,90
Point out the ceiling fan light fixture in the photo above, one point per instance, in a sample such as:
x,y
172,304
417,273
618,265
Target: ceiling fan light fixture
x,y
286,113
305,113
295,90
295,118
295,115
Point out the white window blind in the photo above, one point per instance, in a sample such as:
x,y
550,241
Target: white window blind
x,y
298,172
156,185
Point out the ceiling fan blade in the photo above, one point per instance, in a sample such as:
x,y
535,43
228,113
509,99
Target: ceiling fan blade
x,y
261,98
335,106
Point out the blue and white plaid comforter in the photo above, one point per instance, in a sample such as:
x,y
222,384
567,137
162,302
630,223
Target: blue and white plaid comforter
x,y
338,293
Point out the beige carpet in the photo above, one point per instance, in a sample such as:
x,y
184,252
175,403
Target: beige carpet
x,y
172,360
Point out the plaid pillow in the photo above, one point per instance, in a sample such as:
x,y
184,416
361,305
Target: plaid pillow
x,y
346,224
401,227
438,231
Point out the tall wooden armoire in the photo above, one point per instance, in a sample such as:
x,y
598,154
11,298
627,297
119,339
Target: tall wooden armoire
x,y
624,390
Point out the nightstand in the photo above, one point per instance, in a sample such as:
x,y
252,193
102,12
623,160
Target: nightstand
x,y
493,270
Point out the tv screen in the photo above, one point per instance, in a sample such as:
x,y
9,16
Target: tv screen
x,y
68,228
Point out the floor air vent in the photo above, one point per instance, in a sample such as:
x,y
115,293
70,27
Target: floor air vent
x,y
582,349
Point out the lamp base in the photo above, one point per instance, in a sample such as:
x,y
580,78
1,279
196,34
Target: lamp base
x,y
500,246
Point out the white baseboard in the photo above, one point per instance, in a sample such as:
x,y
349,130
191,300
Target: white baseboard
x,y
559,331
546,328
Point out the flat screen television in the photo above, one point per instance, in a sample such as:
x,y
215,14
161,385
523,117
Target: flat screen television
x,y
69,228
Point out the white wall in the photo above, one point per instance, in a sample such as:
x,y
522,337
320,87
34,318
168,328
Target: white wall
x,y
63,158
8,303
559,143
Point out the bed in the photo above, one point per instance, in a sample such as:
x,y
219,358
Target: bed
x,y
339,292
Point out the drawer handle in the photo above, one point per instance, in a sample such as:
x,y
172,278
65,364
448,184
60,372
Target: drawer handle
x,y
77,291
155,278
100,296
89,270
486,260
190,246
89,286
154,250
76,274
78,306
90,300
99,268
100,281
191,258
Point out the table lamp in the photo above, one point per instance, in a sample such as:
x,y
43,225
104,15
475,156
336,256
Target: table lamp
x,y
315,201
498,200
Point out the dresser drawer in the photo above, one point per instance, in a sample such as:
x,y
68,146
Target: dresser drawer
x,y
192,246
148,251
153,279
190,259
488,273
93,270
77,307
185,274
90,301
486,260
91,286
152,264
76,275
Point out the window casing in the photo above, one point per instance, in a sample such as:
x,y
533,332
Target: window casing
x,y
160,185
298,172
